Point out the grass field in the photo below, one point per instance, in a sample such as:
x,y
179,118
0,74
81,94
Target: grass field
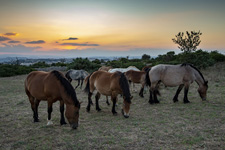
x,y
168,125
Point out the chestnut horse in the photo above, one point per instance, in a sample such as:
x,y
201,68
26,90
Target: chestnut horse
x,y
176,75
109,84
137,77
51,87
105,68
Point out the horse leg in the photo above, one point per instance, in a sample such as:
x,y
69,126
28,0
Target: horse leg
x,y
185,94
107,100
62,120
89,102
114,99
151,101
175,98
141,91
155,92
34,105
97,96
81,84
49,112
78,84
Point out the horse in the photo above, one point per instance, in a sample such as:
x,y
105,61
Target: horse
x,y
181,75
137,77
76,75
109,84
123,69
51,87
105,68
146,68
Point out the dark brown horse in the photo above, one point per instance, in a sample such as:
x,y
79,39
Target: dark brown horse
x,y
176,75
51,87
109,84
137,77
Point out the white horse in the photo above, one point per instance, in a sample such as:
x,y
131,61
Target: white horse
x,y
76,75
176,75
123,69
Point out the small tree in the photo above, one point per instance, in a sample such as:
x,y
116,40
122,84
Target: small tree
x,y
189,42
145,57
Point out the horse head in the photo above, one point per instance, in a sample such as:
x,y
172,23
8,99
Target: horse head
x,y
202,90
126,106
72,114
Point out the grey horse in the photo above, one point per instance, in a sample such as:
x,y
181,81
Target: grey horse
x,y
76,75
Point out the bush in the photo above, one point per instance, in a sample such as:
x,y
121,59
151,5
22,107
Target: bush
x,y
217,56
7,70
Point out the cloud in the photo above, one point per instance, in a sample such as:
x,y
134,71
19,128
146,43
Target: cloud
x,y
77,44
35,42
11,34
14,41
71,38
2,38
17,48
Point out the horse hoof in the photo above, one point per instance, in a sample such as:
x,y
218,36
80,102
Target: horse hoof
x,y
114,113
49,122
175,100
63,122
98,109
88,109
150,102
185,102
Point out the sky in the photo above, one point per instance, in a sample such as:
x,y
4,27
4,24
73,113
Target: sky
x,y
85,28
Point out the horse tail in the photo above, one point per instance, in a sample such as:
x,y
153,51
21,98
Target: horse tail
x,y
125,87
148,82
147,79
87,87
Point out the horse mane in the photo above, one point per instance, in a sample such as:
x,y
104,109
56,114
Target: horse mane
x,y
67,74
124,86
67,86
187,64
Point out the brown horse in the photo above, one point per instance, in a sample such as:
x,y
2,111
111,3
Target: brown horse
x,y
137,77
105,68
109,84
176,75
51,87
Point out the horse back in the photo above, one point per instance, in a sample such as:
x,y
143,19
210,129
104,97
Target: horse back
x,y
106,83
135,76
171,75
42,85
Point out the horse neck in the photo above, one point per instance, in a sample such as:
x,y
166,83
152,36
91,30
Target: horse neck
x,y
198,78
67,99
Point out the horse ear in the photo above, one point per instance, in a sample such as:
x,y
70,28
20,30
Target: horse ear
x,y
131,97
206,82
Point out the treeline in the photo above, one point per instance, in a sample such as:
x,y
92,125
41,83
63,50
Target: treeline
x,y
199,58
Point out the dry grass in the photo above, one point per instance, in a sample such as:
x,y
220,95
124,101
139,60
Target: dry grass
x,y
198,125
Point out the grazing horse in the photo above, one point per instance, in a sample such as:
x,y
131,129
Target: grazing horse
x,y
76,75
51,87
137,77
105,68
109,84
176,75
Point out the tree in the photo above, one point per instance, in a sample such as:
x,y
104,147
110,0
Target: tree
x,y
189,42
145,57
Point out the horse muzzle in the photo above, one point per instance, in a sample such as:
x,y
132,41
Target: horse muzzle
x,y
125,114
74,126
204,99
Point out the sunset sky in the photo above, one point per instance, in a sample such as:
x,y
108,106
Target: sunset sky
x,y
84,28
